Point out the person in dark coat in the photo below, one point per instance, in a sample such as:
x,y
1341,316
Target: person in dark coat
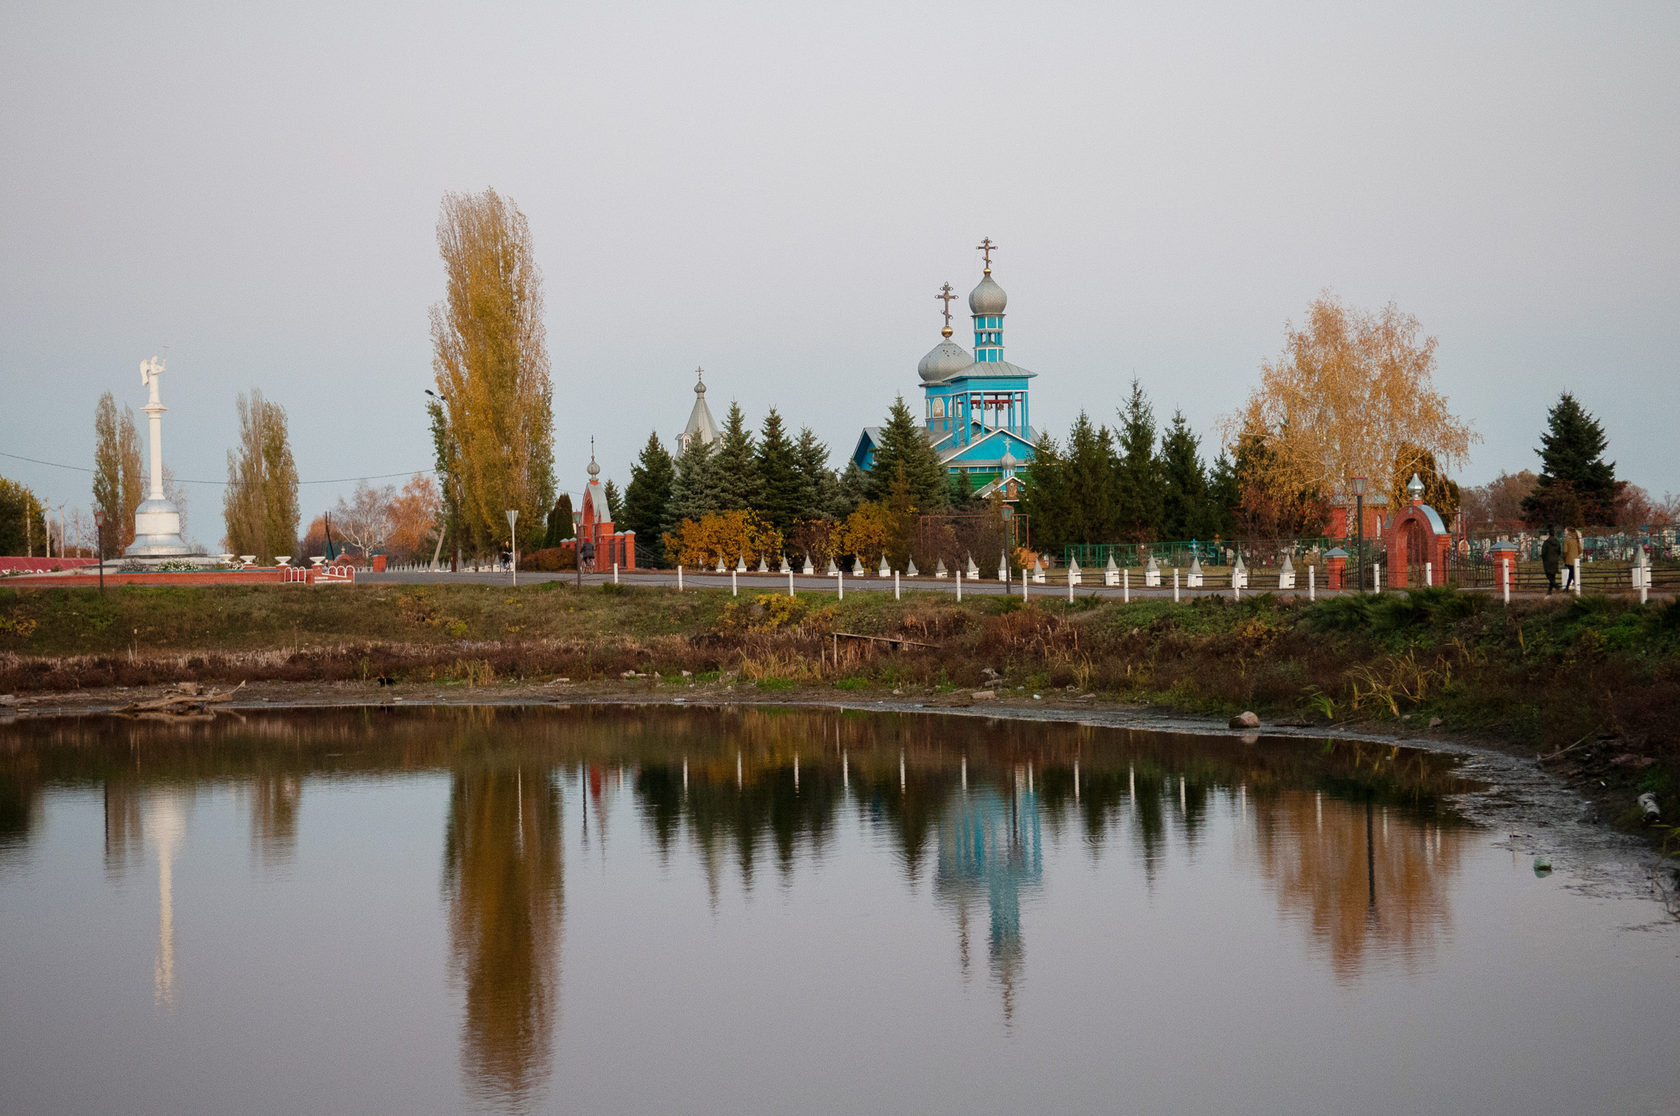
x,y
1551,555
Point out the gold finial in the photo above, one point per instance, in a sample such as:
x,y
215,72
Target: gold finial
x,y
987,247
945,295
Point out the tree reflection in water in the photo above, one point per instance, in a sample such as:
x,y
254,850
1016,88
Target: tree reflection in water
x,y
502,878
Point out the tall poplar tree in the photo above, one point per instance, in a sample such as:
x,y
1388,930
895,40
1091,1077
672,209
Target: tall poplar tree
x,y
118,482
260,504
490,357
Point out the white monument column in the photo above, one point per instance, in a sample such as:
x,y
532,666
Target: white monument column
x,y
157,522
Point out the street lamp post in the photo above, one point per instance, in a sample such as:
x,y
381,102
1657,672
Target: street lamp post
x,y
1358,484
99,527
513,542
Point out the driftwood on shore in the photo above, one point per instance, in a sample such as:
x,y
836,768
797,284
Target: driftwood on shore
x,y
184,700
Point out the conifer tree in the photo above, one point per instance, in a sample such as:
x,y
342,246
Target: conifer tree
x,y
781,485
736,464
903,442
1217,514
560,525
694,489
645,500
1184,485
1137,503
819,486
851,491
1044,496
23,521
1088,512
1576,486
613,498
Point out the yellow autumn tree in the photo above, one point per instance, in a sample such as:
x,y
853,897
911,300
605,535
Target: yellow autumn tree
x,y
725,537
490,357
865,533
1352,394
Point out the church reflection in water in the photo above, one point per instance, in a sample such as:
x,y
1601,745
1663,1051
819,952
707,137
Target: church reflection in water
x,y
991,850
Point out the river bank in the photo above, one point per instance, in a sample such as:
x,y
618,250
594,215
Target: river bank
x,y
1588,687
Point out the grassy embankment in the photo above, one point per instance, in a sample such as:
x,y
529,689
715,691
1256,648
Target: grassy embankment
x,y
1598,676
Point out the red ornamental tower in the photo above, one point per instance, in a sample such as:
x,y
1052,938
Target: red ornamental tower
x,y
595,525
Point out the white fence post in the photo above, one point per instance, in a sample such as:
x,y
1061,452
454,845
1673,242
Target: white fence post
x,y
679,579
615,573
1126,586
1505,577
790,581
840,583
895,585
734,584
1175,585
1312,583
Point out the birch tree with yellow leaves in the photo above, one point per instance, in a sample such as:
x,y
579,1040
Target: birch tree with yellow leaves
x,y
1352,394
490,357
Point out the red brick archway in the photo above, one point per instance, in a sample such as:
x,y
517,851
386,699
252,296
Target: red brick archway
x,y
1414,537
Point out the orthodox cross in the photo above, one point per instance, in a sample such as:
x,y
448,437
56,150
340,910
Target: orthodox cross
x,y
945,295
987,247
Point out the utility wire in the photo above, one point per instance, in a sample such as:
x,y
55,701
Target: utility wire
x,y
222,484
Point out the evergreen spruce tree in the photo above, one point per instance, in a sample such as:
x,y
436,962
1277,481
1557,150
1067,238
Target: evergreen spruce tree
x,y
736,464
781,484
560,525
645,499
613,500
1137,502
694,490
904,443
1044,496
1184,483
1088,511
1217,513
1576,486
852,490
819,486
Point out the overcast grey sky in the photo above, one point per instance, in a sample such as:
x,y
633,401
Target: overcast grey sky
x,y
776,191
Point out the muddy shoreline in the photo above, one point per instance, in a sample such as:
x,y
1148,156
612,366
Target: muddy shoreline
x,y
1524,807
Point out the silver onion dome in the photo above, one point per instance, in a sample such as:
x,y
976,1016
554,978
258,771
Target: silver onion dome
x,y
987,298
943,361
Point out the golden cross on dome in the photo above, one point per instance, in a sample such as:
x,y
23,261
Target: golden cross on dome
x,y
987,247
945,295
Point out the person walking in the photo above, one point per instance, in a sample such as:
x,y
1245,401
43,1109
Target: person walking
x,y
1550,552
1571,555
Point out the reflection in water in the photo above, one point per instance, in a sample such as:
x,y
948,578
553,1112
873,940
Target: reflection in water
x,y
165,824
1350,842
991,843
122,828
274,817
502,878
1356,882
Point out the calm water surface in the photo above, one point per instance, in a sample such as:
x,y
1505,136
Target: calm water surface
x,y
687,910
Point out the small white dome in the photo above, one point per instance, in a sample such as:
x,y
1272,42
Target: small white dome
x,y
942,361
988,298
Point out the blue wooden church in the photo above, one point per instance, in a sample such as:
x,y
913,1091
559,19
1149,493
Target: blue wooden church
x,y
976,409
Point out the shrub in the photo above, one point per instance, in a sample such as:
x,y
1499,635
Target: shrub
x,y
549,559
